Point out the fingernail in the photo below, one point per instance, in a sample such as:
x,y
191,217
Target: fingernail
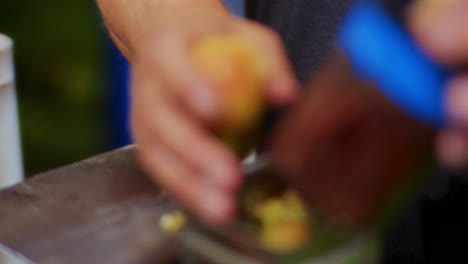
x,y
204,100
225,174
217,208
457,100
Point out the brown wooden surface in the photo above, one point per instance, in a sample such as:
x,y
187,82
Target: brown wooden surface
x,y
102,210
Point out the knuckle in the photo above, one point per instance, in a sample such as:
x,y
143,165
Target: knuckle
x,y
152,51
153,124
179,86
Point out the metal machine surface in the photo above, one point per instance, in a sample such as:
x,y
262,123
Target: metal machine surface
x,y
105,210
102,210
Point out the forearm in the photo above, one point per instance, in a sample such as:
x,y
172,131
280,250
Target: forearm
x,y
131,22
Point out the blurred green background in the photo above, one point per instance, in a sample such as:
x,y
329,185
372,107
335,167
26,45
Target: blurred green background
x,y
61,78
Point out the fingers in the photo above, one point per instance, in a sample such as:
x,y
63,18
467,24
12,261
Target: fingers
x,y
157,117
441,28
172,106
452,143
178,153
456,99
282,87
210,203
155,99
168,59
452,148
193,145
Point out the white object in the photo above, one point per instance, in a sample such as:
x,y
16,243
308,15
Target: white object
x,y
8,256
11,165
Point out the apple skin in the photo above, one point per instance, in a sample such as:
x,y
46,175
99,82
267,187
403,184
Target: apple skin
x,y
236,70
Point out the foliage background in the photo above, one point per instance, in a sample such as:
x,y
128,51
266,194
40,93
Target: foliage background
x,y
60,50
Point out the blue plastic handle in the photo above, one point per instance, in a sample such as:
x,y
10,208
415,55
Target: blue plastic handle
x,y
382,52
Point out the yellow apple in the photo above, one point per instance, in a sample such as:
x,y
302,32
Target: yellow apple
x,y
236,69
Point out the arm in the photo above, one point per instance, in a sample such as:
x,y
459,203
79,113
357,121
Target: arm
x,y
131,23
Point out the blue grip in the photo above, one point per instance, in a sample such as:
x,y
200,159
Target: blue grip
x,y
382,52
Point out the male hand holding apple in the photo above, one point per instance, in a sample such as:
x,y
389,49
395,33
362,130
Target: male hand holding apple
x,y
175,107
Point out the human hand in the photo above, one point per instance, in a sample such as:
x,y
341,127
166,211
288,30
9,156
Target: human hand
x,y
348,149
441,29
173,107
